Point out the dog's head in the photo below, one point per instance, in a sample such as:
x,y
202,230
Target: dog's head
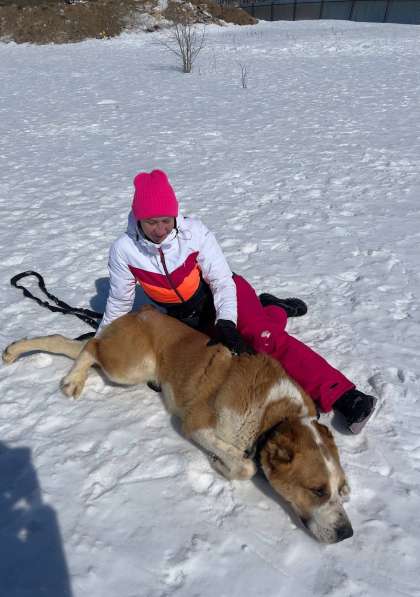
x,y
300,460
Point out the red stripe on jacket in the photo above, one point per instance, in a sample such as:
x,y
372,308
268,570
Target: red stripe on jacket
x,y
185,278
177,276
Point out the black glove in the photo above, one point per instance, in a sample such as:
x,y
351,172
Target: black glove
x,y
227,334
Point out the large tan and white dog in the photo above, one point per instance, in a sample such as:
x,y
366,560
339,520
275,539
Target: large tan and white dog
x,y
232,406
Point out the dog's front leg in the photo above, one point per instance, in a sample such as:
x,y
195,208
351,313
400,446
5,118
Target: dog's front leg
x,y
224,458
55,344
73,383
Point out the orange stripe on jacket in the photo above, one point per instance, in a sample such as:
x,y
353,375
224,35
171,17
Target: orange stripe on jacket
x,y
186,289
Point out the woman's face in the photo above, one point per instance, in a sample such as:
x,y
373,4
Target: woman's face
x,y
157,229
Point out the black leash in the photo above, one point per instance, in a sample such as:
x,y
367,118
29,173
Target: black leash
x,y
90,317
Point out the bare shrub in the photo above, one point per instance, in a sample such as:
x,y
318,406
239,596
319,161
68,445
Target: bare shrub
x,y
244,75
185,40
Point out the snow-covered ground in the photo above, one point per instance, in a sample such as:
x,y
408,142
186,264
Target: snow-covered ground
x,y
310,179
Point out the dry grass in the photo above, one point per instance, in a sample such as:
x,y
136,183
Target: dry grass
x,y
55,21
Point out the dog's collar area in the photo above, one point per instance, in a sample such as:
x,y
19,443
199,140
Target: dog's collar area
x,y
254,452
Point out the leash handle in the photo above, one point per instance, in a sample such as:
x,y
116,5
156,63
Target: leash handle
x,y
86,315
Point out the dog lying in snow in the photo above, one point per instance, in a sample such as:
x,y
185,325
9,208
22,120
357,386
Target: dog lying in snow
x,y
231,406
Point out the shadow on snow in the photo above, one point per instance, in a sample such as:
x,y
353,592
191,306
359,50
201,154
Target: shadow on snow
x,y
32,563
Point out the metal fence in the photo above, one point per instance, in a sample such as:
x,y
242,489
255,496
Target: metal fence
x,y
378,11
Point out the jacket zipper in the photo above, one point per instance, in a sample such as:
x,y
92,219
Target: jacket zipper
x,y
168,277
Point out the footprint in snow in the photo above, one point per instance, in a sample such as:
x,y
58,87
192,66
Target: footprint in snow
x,y
401,308
106,102
249,248
182,562
74,193
392,377
15,260
229,242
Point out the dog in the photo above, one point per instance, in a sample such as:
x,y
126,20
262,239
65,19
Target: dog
x,y
233,407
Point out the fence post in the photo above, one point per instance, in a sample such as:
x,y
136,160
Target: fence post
x,y
294,10
321,8
351,10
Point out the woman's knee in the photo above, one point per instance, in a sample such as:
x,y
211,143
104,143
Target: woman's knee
x,y
261,327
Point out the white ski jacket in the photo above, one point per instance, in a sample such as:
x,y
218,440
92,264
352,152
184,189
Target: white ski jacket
x,y
190,251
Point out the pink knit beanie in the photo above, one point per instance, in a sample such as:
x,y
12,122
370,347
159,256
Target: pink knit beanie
x,y
153,197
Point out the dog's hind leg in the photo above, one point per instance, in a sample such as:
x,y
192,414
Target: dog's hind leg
x,y
73,383
55,344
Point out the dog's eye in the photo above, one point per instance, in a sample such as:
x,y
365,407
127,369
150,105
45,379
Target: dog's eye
x,y
319,491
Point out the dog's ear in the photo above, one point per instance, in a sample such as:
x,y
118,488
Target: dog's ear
x,y
278,453
284,454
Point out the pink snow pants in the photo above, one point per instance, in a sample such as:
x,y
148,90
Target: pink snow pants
x,y
264,329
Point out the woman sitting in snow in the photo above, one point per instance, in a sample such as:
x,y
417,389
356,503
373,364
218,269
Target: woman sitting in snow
x,y
180,266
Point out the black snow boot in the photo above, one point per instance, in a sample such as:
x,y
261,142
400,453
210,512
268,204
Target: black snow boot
x,y
356,408
294,307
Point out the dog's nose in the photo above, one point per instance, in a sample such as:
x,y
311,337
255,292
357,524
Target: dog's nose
x,y
344,532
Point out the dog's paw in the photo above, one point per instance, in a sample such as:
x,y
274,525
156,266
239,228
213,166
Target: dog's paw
x,y
240,471
219,466
245,470
9,354
72,386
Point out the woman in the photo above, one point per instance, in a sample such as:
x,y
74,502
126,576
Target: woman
x,y
180,266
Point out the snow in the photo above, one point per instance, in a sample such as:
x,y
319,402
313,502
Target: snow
x,y
310,179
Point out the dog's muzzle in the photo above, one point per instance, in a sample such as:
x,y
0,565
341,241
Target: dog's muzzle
x,y
333,535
